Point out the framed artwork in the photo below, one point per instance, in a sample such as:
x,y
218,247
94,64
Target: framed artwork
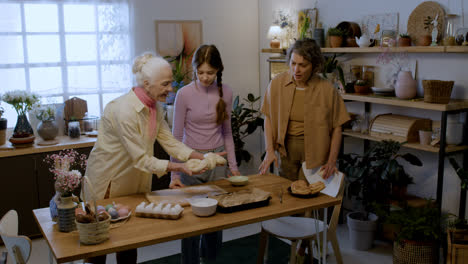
x,y
373,25
176,37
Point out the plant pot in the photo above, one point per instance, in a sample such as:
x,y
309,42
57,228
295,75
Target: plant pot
x,y
424,40
47,129
361,89
408,251
3,129
361,232
351,42
406,86
404,42
336,41
425,137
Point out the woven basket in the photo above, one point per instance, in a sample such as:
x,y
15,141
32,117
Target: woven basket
x,y
412,252
436,91
94,233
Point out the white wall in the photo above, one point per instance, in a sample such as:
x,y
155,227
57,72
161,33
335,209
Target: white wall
x,y
230,25
430,66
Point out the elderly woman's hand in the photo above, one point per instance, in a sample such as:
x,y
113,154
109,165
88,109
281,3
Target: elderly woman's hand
x,y
269,158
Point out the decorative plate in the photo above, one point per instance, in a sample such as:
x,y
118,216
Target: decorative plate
x,y
302,195
121,218
425,13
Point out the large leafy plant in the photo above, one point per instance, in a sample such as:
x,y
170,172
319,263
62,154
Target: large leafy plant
x,y
244,121
330,66
371,175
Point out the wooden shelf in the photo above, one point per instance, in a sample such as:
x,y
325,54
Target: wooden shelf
x,y
412,49
454,104
428,148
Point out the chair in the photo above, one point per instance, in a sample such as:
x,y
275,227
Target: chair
x,y
19,247
301,228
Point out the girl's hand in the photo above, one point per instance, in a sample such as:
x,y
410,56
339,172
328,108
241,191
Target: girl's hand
x,y
176,184
235,173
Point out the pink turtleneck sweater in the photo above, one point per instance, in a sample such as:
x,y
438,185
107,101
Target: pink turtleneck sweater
x,y
194,121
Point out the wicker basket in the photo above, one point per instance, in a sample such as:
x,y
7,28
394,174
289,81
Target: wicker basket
x,y
412,252
436,91
94,233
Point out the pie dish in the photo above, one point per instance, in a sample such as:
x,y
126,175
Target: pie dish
x,y
238,180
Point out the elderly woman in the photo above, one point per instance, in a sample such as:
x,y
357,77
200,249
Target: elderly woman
x,y
121,162
303,116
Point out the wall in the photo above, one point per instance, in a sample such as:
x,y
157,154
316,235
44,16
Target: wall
x,y
429,66
231,25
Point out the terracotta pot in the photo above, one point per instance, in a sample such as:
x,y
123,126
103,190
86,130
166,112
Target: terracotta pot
x,y
406,86
424,40
361,89
404,42
351,42
425,137
336,41
399,192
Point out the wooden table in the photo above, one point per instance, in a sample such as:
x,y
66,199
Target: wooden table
x,y
140,232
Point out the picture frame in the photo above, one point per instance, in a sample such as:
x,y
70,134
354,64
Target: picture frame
x,y
174,37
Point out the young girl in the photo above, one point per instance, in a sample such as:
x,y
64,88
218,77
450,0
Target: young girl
x,y
202,120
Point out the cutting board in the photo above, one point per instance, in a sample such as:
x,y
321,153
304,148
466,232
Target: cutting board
x,y
182,195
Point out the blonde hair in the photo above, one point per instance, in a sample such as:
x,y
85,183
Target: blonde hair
x,y
147,67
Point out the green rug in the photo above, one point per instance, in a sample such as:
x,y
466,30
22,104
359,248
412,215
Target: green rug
x,y
243,250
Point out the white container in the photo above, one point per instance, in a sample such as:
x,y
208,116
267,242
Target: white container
x,y
454,135
203,206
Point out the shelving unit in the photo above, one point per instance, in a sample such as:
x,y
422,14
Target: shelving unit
x,y
412,49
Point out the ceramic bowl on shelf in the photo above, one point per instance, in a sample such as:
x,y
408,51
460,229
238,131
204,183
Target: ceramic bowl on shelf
x,y
238,180
203,206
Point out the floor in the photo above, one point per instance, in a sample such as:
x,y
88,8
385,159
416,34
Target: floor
x,y
381,252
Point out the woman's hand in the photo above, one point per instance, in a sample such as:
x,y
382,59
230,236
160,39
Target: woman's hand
x,y
176,184
235,173
269,158
328,170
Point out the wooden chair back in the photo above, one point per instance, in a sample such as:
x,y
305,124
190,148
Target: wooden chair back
x,y
19,247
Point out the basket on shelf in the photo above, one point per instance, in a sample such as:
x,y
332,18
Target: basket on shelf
x,y
437,91
93,233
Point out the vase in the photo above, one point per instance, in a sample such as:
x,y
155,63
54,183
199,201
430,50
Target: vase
x,y
22,128
3,129
425,137
66,214
405,87
47,129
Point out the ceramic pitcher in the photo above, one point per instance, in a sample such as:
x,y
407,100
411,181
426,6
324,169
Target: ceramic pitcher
x,y
406,86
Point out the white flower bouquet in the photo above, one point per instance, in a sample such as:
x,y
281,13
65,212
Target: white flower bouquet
x,y
22,101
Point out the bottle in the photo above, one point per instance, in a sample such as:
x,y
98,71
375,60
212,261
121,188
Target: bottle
x,y
368,75
74,129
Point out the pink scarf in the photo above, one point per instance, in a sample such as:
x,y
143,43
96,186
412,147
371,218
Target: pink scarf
x,y
151,104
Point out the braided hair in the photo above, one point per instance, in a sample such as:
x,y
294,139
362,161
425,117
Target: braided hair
x,y
209,54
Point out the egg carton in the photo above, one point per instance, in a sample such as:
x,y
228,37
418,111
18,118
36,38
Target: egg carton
x,y
161,210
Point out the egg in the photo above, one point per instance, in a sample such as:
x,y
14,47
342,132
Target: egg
x,y
177,206
109,206
123,212
102,216
140,208
114,214
118,206
100,208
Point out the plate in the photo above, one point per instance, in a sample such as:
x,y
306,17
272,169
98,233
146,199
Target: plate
x,y
382,90
419,16
302,195
25,140
121,218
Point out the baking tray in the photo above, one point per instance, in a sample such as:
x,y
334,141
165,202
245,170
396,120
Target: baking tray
x,y
241,207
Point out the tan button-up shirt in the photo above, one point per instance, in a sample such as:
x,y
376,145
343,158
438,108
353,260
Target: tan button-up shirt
x,y
123,153
324,110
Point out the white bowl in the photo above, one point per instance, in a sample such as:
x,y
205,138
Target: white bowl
x,y
203,206
238,180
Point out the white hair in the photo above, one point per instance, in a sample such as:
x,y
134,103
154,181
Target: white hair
x,y
148,67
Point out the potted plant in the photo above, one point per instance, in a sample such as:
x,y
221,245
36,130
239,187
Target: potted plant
x,y
330,67
22,102
3,127
370,177
47,127
404,40
180,73
426,39
336,37
244,121
417,234
361,87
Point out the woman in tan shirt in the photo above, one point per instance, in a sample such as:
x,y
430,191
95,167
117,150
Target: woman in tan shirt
x,y
303,116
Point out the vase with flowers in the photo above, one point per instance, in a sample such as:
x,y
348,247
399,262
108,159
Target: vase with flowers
x,y
399,77
22,102
3,127
65,167
47,127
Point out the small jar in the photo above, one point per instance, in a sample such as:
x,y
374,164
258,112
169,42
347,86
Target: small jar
x,y
368,75
356,70
74,130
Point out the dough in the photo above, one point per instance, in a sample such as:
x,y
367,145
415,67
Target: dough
x,y
196,165
217,158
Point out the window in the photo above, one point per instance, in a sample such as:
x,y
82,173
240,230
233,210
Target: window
x,y
61,49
